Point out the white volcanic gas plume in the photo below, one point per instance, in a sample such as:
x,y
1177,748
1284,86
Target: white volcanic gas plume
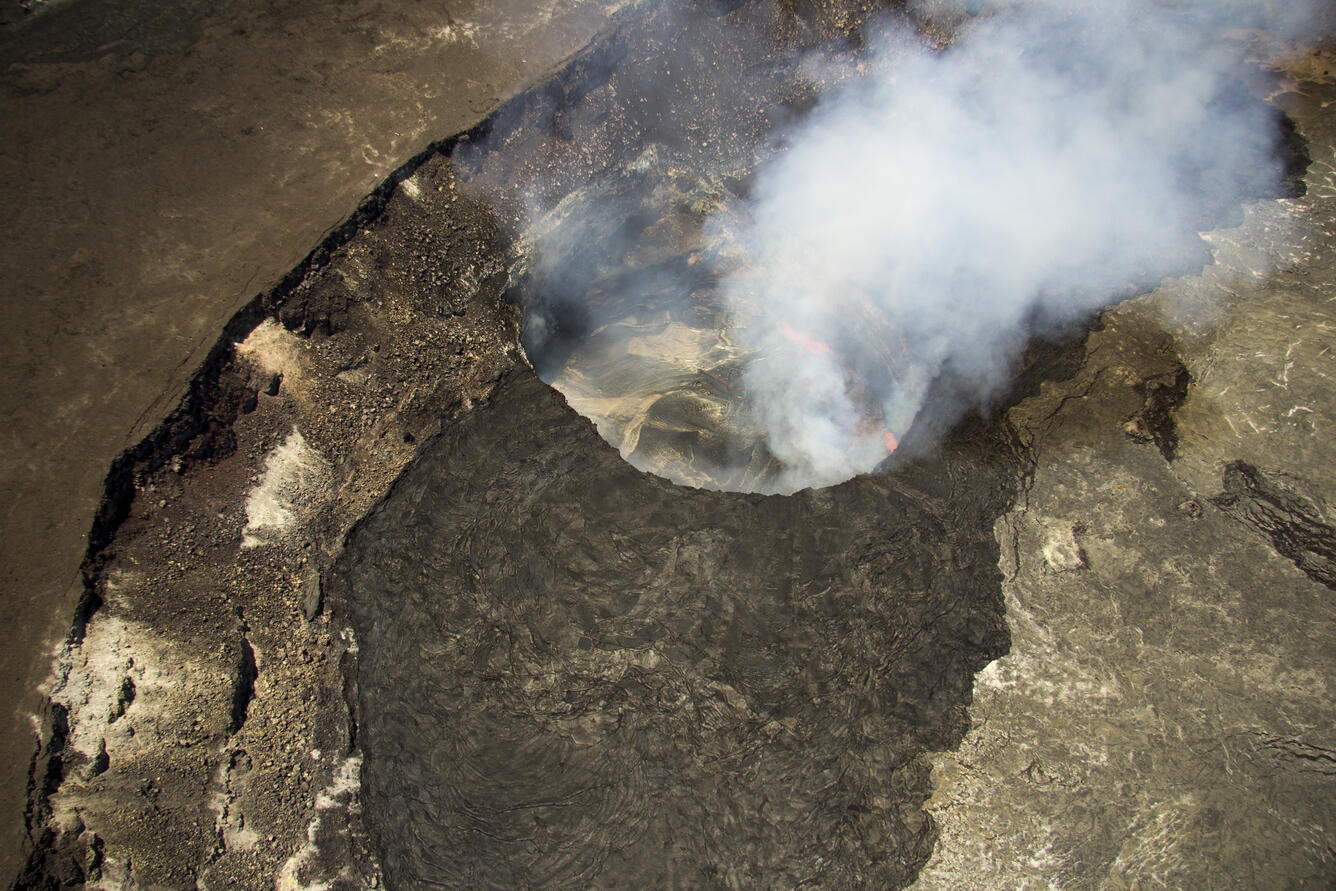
x,y
941,206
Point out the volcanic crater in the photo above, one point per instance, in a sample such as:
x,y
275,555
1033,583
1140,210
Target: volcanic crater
x,y
389,608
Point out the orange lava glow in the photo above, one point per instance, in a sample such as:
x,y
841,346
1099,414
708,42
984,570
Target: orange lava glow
x,y
806,341
819,348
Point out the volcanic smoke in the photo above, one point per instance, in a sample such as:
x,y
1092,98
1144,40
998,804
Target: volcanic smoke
x,y
938,207
1055,157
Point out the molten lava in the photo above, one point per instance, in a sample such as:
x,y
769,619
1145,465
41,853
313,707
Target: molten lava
x,y
819,348
806,341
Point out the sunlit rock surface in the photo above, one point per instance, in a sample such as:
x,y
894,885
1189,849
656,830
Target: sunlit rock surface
x,y
1165,716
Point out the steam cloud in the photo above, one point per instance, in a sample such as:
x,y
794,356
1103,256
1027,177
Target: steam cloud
x,y
938,207
941,207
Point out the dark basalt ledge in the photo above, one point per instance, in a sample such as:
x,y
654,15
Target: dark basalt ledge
x,y
1289,518
574,674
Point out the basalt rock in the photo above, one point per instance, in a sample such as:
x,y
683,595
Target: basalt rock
x,y
575,674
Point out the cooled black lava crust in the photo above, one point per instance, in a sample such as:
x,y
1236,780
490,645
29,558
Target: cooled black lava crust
x,y
574,674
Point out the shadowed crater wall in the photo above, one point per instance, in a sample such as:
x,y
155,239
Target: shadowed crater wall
x,y
576,674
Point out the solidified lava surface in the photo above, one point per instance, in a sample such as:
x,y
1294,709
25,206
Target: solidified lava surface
x,y
576,674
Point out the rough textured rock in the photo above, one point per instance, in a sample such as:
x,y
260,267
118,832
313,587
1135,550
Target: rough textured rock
x,y
573,674
1164,718
197,733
